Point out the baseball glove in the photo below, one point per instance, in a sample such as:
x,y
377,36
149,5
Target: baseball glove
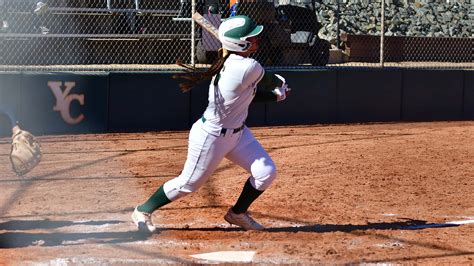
x,y
25,153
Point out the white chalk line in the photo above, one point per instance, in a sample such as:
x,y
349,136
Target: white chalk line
x,y
227,256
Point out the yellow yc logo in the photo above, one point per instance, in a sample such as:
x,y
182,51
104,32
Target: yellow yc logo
x,y
64,99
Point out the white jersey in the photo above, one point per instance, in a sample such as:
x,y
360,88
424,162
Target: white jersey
x,y
230,99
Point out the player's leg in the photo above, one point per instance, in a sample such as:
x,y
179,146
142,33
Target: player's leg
x,y
205,152
251,156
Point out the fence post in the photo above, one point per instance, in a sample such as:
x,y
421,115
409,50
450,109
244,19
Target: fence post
x,y
382,32
338,38
193,31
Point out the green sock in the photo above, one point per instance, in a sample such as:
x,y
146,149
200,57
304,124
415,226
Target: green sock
x,y
249,194
157,200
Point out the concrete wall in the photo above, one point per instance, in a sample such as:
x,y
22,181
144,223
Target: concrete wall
x,y
57,103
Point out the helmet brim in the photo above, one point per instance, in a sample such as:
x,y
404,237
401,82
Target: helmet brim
x,y
253,33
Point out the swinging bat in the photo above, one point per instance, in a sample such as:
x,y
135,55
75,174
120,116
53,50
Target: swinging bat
x,y
205,24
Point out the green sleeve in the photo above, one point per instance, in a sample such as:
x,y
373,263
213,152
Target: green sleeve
x,y
269,82
263,95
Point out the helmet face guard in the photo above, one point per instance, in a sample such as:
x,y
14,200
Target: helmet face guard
x,y
234,31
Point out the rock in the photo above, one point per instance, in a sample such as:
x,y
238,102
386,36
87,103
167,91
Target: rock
x,y
441,8
430,18
414,19
447,16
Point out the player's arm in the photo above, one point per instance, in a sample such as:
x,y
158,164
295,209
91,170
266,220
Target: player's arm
x,y
263,95
271,88
269,82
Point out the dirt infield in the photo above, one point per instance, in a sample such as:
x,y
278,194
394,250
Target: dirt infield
x,y
391,193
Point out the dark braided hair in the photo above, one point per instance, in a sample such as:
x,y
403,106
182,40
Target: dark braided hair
x,y
193,76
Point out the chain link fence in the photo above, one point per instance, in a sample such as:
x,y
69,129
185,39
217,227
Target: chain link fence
x,y
150,35
416,34
92,34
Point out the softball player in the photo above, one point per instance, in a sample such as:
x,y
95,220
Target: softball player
x,y
237,80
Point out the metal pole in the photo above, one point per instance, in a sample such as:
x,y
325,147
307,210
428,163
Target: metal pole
x,y
193,30
382,33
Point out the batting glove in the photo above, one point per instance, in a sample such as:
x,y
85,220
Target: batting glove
x,y
281,92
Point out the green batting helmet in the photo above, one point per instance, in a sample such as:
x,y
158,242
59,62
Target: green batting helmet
x,y
234,31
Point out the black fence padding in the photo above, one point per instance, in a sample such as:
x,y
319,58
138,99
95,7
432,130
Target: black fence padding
x,y
468,95
368,95
313,99
64,103
147,101
10,85
136,102
432,95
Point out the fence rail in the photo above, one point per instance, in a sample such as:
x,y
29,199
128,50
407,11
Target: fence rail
x,y
146,35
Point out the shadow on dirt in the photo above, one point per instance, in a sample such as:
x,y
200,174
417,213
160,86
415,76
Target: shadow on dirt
x,y
48,224
26,186
17,239
409,224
